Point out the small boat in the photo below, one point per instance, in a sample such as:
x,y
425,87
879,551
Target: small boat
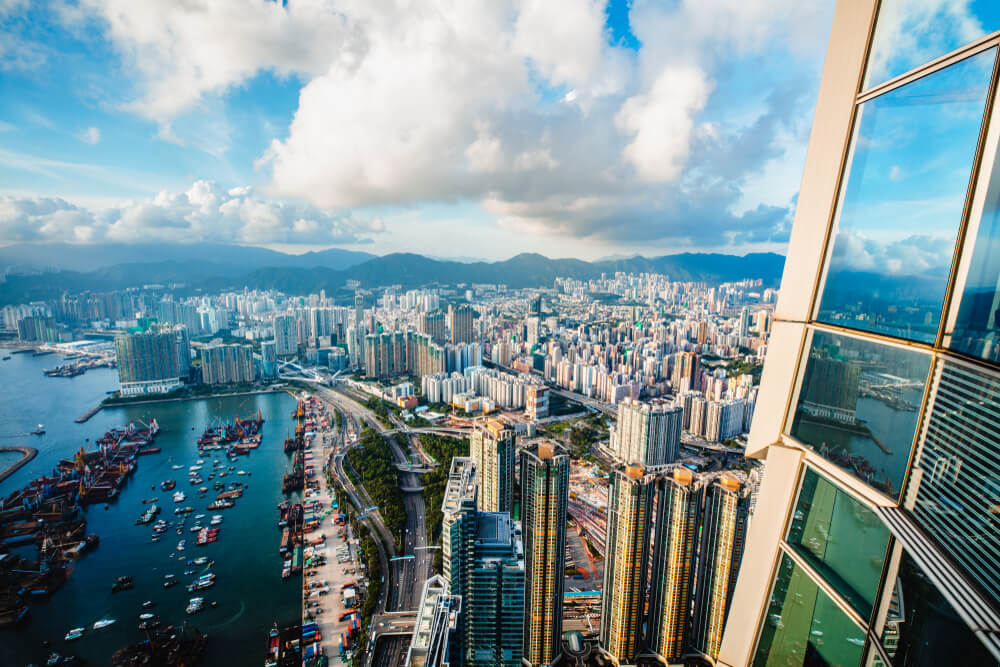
x,y
170,583
148,604
198,517
200,560
200,462
7,358
39,431
180,545
75,633
179,497
168,484
195,605
103,623
146,617
176,466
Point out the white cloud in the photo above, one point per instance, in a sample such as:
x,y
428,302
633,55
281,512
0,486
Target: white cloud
x,y
184,50
521,105
91,135
205,212
661,122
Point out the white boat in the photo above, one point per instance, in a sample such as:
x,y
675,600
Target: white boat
x,y
179,497
199,462
199,516
240,472
180,545
194,468
176,466
103,623
146,616
200,560
75,633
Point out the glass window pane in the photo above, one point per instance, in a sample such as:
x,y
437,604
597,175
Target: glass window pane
x,y
902,202
923,630
958,497
909,34
977,327
858,406
841,539
804,626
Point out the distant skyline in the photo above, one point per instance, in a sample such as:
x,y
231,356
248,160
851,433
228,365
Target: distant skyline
x,y
454,129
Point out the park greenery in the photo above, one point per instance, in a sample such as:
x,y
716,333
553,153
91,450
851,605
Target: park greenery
x,y
374,464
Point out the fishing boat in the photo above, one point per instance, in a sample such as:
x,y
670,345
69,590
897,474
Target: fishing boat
x,y
75,633
148,515
200,560
179,497
103,623
168,485
195,605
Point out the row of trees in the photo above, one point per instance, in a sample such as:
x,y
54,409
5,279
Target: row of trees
x,y
374,463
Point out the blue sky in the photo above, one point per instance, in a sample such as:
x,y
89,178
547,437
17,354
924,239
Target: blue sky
x,y
464,128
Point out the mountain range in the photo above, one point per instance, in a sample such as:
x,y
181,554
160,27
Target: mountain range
x,y
33,273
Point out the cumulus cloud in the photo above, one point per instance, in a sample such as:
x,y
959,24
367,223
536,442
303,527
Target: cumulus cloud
x,y
205,212
523,105
910,255
185,50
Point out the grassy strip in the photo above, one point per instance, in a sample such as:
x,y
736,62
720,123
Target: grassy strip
x,y
374,462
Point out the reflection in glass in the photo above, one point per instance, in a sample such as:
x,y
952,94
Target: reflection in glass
x,y
977,327
858,406
841,539
909,34
902,202
804,626
958,499
922,628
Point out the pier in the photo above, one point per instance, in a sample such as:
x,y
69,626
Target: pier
x,y
28,454
89,413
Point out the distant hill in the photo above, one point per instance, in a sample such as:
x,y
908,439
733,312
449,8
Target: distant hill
x,y
48,257
320,271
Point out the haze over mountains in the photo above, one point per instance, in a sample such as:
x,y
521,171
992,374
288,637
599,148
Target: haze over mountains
x,y
36,271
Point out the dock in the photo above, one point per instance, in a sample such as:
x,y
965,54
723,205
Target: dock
x,y
89,413
28,454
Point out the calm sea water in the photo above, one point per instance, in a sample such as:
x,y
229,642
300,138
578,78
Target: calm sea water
x,y
249,591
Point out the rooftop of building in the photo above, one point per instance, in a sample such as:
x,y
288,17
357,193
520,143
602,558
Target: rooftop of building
x,y
461,487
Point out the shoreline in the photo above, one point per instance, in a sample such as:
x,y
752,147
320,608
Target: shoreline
x,y
176,399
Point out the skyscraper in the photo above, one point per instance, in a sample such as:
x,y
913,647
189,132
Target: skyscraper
x,y
875,538
285,335
359,312
460,324
678,513
432,324
484,565
630,507
491,447
153,361
647,433
544,499
723,532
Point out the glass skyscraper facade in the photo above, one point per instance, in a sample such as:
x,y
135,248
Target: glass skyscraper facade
x,y
876,534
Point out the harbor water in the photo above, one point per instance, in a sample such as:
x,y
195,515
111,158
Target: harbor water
x,y
249,593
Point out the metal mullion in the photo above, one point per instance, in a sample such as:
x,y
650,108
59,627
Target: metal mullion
x,y
931,66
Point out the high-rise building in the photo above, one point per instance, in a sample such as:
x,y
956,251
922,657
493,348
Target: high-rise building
x,y
685,368
285,335
723,534
483,561
532,325
269,359
874,539
154,361
678,513
37,329
460,324
491,446
647,433
227,364
623,599
432,324
536,401
437,621
544,499
359,312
